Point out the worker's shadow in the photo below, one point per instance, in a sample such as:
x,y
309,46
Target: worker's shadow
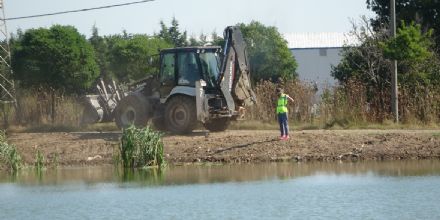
x,y
244,145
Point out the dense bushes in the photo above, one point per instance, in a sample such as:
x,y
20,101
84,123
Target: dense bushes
x,y
365,82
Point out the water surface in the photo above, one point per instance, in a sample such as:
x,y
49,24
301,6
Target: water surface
x,y
365,190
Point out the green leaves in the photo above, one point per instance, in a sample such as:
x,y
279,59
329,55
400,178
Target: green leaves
x,y
129,57
58,58
39,161
409,44
269,55
141,147
413,49
425,13
172,34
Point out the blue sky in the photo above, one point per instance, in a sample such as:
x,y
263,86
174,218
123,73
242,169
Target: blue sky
x,y
195,16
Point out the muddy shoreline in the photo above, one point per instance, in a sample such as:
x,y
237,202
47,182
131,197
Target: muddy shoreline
x,y
237,146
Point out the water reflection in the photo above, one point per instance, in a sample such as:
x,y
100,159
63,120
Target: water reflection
x,y
203,174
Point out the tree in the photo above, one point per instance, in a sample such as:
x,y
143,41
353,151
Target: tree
x,y
193,42
366,65
409,44
201,41
269,56
172,34
426,13
130,56
101,48
412,48
58,58
364,62
217,40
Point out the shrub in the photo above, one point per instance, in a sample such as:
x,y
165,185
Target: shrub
x,y
141,147
9,154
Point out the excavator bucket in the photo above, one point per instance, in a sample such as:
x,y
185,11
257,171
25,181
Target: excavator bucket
x,y
235,71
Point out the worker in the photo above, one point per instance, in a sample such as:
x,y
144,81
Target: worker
x,y
282,113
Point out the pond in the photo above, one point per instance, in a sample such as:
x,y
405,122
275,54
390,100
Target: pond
x,y
363,190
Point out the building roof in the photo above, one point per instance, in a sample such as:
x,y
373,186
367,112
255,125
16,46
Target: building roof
x,y
319,40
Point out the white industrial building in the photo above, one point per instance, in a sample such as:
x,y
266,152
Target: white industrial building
x,y
316,53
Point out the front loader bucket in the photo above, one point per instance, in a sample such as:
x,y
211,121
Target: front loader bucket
x,y
99,108
93,112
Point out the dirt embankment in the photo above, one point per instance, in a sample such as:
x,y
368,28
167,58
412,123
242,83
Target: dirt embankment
x,y
239,146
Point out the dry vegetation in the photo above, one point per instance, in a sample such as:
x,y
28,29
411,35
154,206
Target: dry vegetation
x,y
41,111
349,106
352,105
355,104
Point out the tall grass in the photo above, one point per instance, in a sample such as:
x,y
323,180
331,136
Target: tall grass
x,y
352,105
9,154
355,103
39,161
303,110
141,147
39,110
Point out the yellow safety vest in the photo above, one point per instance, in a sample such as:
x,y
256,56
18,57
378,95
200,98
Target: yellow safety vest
x,y
282,104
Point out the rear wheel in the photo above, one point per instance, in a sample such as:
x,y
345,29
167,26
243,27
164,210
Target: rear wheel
x,y
132,110
218,124
180,114
159,123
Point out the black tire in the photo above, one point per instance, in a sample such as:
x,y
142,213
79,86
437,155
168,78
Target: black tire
x,y
218,124
180,114
132,110
159,124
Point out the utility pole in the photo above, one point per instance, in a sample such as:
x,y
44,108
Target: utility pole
x,y
394,89
7,92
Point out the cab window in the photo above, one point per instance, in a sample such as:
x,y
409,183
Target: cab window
x,y
188,70
167,67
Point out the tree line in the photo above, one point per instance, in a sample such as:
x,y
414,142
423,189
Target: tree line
x,y
60,58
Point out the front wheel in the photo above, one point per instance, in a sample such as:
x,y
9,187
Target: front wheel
x,y
180,114
132,110
218,124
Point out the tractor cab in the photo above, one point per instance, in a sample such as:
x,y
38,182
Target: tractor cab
x,y
182,67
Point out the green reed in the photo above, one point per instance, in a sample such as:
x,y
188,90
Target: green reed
x,y
9,154
39,160
141,147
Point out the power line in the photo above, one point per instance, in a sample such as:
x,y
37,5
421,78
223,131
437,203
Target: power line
x,y
78,10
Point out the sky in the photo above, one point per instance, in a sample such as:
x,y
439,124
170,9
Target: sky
x,y
194,16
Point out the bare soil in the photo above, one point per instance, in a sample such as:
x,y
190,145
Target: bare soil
x,y
235,146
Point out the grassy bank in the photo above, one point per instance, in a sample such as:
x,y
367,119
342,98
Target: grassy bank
x,y
10,159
